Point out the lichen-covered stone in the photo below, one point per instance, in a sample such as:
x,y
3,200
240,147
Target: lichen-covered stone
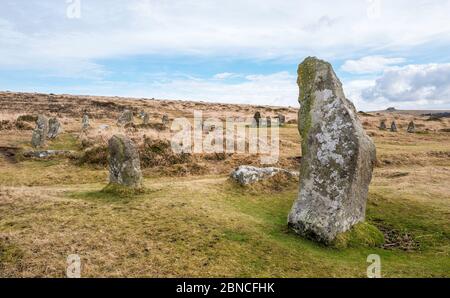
x,y
281,119
382,125
337,157
245,175
124,162
165,120
393,126
40,132
85,122
53,128
42,123
38,138
411,127
125,118
145,119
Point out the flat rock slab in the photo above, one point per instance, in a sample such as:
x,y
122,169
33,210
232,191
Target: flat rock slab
x,y
48,153
245,175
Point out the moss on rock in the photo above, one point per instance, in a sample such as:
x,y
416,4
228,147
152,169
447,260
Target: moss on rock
x,y
362,234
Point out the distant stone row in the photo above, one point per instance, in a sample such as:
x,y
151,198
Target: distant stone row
x,y
411,126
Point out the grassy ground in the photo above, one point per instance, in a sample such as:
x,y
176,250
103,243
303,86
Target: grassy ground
x,y
205,226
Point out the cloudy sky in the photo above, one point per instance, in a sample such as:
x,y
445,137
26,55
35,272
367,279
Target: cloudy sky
x,y
387,53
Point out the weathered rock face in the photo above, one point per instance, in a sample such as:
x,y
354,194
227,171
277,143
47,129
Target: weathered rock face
x,y
393,126
53,128
85,122
382,125
411,127
337,157
40,132
145,119
124,162
245,175
38,138
281,119
42,123
165,120
125,118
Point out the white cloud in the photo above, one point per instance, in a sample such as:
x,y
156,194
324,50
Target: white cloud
x,y
408,87
251,29
370,64
225,75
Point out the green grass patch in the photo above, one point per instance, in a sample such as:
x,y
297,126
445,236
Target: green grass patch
x,y
361,234
64,142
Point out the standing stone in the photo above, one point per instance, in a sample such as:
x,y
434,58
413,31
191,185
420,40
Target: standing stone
x,y
411,127
393,126
337,157
281,119
257,118
42,123
145,119
53,128
382,125
125,118
38,138
85,122
124,162
165,120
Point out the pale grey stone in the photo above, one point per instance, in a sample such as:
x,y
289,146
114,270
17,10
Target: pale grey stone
x,y
54,127
125,118
393,126
337,157
165,120
38,138
124,162
245,175
85,122
411,127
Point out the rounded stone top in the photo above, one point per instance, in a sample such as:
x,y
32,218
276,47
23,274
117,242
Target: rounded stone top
x,y
316,75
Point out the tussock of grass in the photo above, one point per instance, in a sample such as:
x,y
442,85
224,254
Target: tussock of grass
x,y
362,234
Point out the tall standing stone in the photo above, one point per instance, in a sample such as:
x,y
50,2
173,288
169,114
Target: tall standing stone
x,y
40,132
337,157
124,162
393,126
42,123
53,128
38,138
411,127
125,118
85,122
